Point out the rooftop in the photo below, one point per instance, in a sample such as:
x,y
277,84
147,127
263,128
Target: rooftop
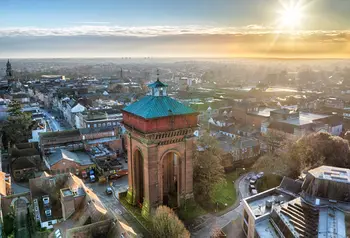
x,y
263,203
60,134
150,107
157,84
78,157
341,175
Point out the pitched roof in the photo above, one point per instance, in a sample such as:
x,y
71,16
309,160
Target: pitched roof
x,y
81,158
150,107
157,84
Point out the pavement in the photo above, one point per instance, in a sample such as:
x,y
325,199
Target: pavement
x,y
212,221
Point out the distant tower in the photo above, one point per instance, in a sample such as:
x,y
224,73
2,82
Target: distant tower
x,y
9,69
121,73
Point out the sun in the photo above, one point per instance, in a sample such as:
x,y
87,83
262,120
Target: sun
x,y
291,17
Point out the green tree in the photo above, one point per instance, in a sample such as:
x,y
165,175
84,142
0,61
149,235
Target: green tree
x,y
167,224
208,171
18,124
308,152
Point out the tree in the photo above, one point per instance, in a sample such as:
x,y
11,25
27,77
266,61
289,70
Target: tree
x,y
18,124
167,224
308,152
207,172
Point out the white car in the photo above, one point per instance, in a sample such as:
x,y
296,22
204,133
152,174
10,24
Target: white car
x,y
260,175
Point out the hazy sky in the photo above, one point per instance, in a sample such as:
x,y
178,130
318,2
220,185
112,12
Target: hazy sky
x,y
208,28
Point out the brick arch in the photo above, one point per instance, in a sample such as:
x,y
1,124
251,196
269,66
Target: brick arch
x,y
179,174
16,198
138,163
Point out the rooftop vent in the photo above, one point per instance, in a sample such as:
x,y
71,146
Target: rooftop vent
x,y
268,204
46,200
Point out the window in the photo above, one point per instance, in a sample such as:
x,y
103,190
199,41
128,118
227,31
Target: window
x,y
72,170
67,170
95,125
62,171
50,223
88,125
246,217
114,123
109,123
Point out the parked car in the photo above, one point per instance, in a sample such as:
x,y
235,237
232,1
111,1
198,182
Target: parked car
x,y
253,180
260,175
109,191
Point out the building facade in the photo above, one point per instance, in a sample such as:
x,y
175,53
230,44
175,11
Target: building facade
x,y
160,145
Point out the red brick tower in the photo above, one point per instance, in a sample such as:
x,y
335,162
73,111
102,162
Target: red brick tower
x,y
160,147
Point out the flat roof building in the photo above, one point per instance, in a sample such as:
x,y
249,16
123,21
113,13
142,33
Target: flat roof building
x,y
318,206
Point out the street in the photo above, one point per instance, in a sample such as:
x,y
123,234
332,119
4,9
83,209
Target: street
x,y
112,203
54,124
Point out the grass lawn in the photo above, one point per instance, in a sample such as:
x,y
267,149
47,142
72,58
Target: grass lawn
x,y
268,181
190,211
225,195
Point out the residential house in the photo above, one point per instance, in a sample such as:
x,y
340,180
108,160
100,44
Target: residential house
x,y
70,109
62,202
238,151
25,160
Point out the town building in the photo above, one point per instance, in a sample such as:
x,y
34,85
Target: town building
x,y
98,118
315,206
160,143
25,160
63,202
293,122
52,141
63,161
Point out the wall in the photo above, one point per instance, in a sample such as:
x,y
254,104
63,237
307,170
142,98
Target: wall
x,y
46,224
152,156
70,165
160,124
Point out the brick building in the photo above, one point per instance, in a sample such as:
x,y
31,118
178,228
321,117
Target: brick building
x,y
160,146
63,161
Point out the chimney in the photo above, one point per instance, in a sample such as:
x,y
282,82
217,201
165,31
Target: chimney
x,y
67,202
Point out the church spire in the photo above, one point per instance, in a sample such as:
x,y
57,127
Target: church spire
x,y
8,69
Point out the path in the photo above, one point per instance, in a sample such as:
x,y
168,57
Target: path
x,y
236,211
21,219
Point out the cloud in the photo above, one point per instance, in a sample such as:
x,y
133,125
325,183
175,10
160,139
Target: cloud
x,y
98,29
171,41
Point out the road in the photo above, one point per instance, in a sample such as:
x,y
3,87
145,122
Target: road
x,y
113,205
225,219
52,121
